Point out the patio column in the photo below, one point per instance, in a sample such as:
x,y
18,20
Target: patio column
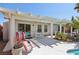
x,y
42,28
51,30
60,28
12,31
71,31
11,41
35,29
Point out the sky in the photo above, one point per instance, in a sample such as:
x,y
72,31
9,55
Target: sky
x,y
55,10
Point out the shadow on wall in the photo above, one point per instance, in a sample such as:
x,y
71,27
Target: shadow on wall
x,y
1,33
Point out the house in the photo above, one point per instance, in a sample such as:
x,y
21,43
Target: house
x,y
18,21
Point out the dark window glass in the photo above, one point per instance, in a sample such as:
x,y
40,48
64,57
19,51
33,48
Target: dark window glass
x,y
58,28
45,28
39,28
28,28
20,27
62,29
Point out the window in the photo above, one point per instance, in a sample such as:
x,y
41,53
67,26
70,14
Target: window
x,y
24,27
39,28
20,27
62,29
28,28
45,28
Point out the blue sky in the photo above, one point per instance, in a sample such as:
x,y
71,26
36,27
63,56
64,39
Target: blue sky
x,y
56,10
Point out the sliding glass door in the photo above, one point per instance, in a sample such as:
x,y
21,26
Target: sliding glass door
x,y
24,27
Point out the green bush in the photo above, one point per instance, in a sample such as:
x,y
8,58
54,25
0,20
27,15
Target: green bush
x,y
61,36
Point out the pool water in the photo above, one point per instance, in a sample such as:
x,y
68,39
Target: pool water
x,y
73,51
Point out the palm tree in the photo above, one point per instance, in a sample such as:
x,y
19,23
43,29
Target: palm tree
x,y
77,7
75,23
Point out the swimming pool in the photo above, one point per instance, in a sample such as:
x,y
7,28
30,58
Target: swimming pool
x,y
73,51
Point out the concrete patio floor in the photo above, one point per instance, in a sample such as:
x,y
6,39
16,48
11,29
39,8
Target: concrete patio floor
x,y
46,46
58,48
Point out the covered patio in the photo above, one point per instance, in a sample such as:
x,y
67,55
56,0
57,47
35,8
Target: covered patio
x,y
17,17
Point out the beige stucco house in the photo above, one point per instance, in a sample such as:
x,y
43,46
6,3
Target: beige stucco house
x,y
18,21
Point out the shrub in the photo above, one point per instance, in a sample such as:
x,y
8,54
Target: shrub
x,y
61,36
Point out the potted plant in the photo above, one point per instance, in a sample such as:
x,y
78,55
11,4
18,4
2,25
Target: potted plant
x,y
21,46
17,49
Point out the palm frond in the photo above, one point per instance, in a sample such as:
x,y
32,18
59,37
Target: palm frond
x,y
77,7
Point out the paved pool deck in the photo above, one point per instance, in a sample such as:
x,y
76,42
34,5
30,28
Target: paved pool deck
x,y
58,47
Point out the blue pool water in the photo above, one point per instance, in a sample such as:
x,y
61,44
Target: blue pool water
x,y
73,51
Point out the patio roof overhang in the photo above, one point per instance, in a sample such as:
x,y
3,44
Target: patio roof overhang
x,y
21,16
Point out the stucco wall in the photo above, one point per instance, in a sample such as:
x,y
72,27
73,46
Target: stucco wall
x,y
6,31
34,27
